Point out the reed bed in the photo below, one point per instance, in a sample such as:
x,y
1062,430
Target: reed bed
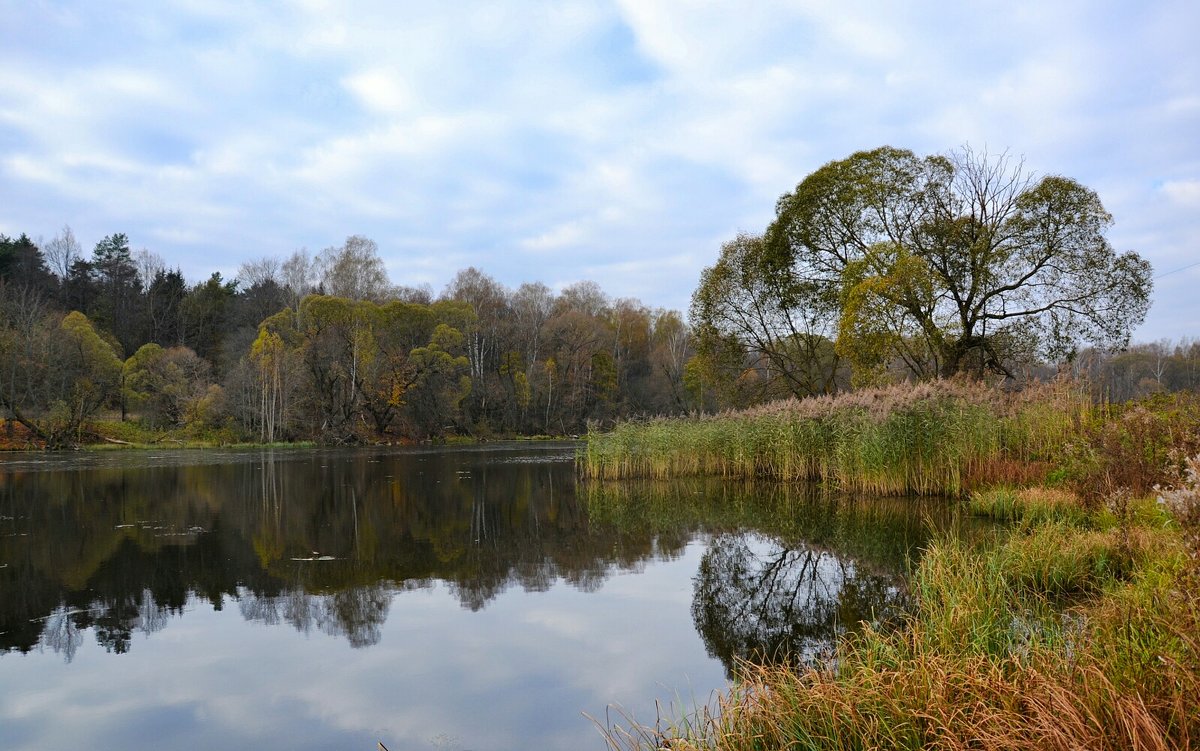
x,y
928,438
1078,627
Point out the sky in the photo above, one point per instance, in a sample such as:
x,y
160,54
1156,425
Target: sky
x,y
620,142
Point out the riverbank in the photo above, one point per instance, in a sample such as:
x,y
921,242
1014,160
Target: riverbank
x,y
116,435
1077,629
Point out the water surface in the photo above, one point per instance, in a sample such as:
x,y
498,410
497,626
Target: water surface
x,y
464,598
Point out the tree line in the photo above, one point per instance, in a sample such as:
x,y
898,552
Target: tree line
x,y
879,267
322,348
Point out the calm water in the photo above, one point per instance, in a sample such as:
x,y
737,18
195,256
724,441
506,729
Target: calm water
x,y
468,598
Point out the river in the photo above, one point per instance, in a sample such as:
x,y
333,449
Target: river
x,y
476,597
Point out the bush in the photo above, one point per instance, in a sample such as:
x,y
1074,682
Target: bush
x,y
1135,447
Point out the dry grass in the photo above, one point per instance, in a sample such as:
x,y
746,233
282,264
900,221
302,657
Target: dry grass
x,y
929,702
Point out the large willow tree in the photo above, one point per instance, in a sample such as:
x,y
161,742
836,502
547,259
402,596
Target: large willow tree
x,y
952,263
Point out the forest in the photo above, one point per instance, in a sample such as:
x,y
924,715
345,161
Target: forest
x,y
879,268
319,348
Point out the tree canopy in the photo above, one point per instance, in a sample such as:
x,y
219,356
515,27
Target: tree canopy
x,y
751,316
951,263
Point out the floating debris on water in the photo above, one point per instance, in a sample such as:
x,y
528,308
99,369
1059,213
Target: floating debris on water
x,y
64,613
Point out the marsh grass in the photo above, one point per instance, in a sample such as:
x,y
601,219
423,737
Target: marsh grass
x,y
1076,628
1031,505
1070,632
928,438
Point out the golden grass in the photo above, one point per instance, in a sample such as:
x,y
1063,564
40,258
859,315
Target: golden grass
x,y
931,702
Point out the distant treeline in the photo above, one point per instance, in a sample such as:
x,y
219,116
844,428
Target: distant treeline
x,y
1142,369
325,348
319,348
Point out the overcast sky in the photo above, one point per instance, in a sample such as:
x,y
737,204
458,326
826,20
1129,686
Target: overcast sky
x,y
620,142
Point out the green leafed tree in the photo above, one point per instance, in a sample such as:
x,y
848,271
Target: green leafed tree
x,y
387,371
442,383
762,330
335,335
165,384
89,372
955,263
59,371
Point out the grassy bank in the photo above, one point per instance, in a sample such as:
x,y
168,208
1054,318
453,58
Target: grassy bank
x,y
930,438
1080,629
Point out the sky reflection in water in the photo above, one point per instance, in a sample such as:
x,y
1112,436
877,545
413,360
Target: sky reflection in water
x,y
457,599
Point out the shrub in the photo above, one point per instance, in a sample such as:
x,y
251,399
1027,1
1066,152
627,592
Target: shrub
x,y
1136,447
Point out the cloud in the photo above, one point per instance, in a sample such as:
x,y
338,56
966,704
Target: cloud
x,y
563,236
582,135
1185,193
380,90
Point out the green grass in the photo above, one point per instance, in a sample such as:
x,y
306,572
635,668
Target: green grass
x,y
1033,505
118,435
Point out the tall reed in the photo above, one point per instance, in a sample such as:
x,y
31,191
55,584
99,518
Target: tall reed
x,y
923,438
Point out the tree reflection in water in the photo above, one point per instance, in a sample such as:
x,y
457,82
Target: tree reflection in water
x,y
323,540
318,540
787,568
760,599
358,613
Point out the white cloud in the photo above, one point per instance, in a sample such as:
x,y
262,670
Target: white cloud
x,y
613,132
380,90
1185,193
562,236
